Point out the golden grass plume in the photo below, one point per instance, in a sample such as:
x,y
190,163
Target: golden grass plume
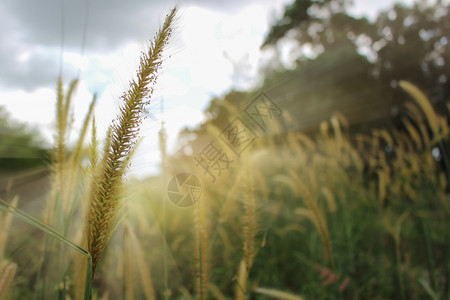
x,y
105,201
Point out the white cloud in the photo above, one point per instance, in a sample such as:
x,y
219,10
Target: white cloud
x,y
370,8
147,158
211,50
178,118
34,108
196,71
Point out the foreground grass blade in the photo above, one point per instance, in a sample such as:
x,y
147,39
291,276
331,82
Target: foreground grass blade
x,y
88,282
47,229
277,294
428,289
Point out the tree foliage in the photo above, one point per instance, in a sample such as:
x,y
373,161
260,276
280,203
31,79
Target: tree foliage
x,y
348,64
403,43
20,146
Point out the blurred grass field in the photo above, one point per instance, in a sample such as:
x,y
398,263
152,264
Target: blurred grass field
x,y
331,215
342,194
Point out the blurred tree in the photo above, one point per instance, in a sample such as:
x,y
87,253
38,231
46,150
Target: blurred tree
x,y
348,64
316,23
219,113
20,147
222,109
413,44
403,43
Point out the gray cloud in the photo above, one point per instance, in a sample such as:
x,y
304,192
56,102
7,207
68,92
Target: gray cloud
x,y
38,70
33,29
109,22
30,34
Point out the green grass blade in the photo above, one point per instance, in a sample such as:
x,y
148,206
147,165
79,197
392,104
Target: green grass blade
x,y
39,224
88,283
47,229
277,294
428,289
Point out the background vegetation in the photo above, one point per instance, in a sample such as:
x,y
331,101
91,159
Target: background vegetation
x,y
344,195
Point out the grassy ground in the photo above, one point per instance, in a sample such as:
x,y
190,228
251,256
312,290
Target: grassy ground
x,y
336,215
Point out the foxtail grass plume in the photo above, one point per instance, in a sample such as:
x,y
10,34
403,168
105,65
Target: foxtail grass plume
x,y
424,103
104,202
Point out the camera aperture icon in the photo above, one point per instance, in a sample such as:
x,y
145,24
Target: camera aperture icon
x,y
184,189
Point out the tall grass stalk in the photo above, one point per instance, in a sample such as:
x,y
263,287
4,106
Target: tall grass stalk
x,y
241,281
58,188
128,268
315,215
438,124
141,263
6,277
5,223
276,294
395,230
7,269
250,223
201,250
105,199
163,150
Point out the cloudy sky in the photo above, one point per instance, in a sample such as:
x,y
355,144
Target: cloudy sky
x,y
101,40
